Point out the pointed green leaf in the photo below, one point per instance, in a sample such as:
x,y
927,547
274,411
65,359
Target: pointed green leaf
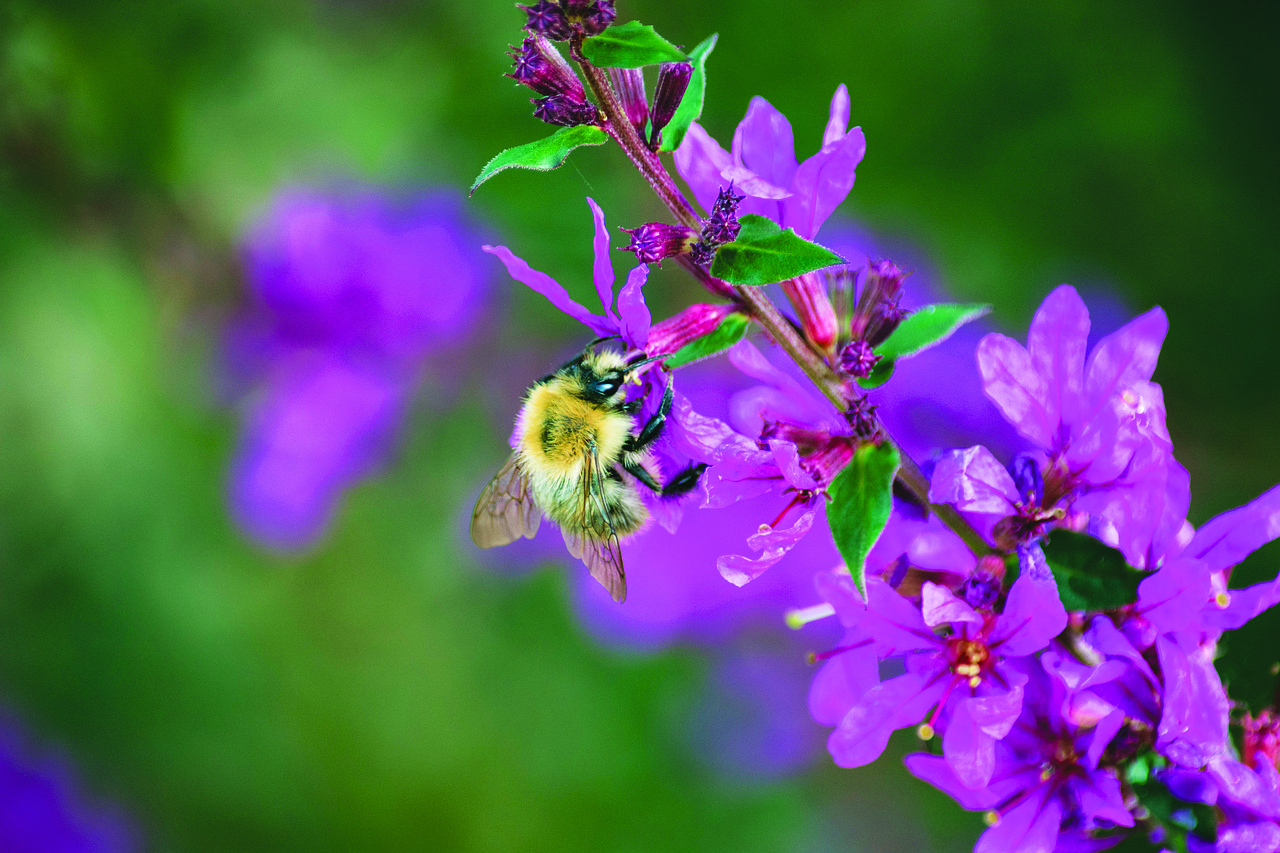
x,y
630,45
544,154
731,330
927,327
1089,574
690,109
879,375
764,254
861,500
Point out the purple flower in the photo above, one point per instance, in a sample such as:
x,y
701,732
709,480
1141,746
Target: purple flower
x,y
350,298
1049,788
43,810
762,164
1099,423
967,674
673,79
631,318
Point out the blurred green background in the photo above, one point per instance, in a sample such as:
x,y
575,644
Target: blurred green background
x,y
383,693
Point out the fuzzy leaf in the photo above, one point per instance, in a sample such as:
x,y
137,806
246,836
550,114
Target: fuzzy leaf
x,y
690,109
1089,574
544,154
631,45
879,375
764,254
927,327
861,499
731,330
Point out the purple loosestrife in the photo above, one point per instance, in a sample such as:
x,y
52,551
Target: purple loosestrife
x,y
351,295
673,80
962,677
42,809
1050,787
1097,426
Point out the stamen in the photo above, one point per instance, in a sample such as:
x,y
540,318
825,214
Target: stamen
x,y
797,618
814,657
925,732
991,818
1222,599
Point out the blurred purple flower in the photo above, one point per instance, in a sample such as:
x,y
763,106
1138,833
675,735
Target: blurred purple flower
x,y
43,810
762,164
350,296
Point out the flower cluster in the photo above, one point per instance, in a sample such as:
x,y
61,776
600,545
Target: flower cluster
x,y
1031,600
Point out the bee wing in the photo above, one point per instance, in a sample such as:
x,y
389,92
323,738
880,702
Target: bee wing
x,y
597,545
505,510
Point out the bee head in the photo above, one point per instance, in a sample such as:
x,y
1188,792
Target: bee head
x,y
602,375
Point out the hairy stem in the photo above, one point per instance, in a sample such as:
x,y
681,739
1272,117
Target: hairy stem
x,y
757,301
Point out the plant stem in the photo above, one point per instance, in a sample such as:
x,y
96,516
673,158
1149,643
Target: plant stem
x,y
762,309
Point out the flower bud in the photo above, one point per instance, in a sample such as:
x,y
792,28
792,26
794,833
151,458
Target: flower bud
x,y
540,66
808,295
877,313
547,19
596,17
1028,479
858,359
654,241
565,111
861,416
702,253
673,79
722,225
629,84
671,334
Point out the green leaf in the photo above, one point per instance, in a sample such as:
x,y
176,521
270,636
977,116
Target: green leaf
x,y
1090,575
861,499
731,330
690,109
927,327
631,45
544,154
764,253
879,375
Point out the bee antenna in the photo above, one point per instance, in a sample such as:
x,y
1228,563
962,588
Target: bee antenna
x,y
598,341
636,365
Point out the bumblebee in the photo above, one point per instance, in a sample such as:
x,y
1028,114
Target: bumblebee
x,y
581,460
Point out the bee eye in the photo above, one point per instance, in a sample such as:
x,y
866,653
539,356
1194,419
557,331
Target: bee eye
x,y
607,387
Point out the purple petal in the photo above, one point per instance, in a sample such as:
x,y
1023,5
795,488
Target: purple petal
x,y
1011,381
939,605
1243,605
602,267
1033,613
822,182
1106,729
843,681
996,712
837,589
1251,837
548,287
1031,827
864,732
701,437
974,481
1241,784
739,570
893,621
1193,728
1226,540
968,749
1056,342
788,459
1102,798
938,773
634,319
1171,598
838,123
1125,356
764,144
701,162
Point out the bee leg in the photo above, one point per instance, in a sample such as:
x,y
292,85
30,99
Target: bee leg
x,y
684,482
635,469
653,428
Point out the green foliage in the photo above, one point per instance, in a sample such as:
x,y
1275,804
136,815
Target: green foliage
x,y
630,45
764,254
861,500
1090,575
927,327
731,330
690,109
544,154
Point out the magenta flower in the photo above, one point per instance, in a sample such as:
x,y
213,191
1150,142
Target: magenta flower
x,y
630,319
965,674
351,296
1049,788
762,165
1099,423
43,810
